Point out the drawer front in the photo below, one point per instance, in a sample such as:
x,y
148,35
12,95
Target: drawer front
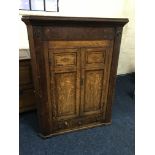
x,y
76,123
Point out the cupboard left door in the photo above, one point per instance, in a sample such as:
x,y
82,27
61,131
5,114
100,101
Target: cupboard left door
x,y
65,86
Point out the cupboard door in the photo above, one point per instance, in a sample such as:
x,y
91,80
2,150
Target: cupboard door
x,y
65,75
95,78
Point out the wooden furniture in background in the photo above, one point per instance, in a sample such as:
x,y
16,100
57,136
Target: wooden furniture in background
x,y
74,62
26,88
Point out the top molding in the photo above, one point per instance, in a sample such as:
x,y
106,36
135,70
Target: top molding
x,y
39,20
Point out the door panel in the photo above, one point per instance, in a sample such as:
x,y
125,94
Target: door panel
x,y
64,60
66,93
95,57
65,57
93,90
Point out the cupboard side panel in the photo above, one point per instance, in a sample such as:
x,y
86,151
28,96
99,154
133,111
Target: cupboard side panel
x,y
44,126
113,73
37,51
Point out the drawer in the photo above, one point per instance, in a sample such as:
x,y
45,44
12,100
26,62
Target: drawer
x,y
76,123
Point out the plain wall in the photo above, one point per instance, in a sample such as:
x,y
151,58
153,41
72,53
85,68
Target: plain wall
x,y
95,8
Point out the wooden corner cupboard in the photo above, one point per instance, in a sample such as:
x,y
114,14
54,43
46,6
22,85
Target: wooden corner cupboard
x,y
74,64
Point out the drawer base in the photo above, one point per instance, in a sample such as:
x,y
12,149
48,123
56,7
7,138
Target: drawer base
x,y
74,129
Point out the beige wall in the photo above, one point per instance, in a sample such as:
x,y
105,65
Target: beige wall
x,y
96,8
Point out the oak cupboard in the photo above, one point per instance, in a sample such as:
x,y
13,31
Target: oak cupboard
x,y
74,63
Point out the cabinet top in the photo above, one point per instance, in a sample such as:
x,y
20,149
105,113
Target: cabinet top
x,y
31,19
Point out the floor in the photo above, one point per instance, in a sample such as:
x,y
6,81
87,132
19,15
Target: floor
x,y
115,139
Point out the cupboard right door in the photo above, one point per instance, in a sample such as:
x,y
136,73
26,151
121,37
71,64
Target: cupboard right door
x,y
95,68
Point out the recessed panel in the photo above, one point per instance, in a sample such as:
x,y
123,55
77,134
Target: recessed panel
x,y
65,59
95,57
65,93
93,90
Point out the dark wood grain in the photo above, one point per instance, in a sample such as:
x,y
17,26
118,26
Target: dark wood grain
x,y
113,72
39,20
74,62
26,87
